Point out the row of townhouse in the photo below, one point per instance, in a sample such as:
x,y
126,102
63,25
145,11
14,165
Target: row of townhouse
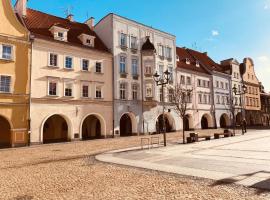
x,y
62,80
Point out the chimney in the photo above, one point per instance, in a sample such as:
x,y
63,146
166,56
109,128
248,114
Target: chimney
x,y
91,23
20,7
70,17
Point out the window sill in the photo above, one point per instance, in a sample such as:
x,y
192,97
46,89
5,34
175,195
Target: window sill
x,y
52,96
53,67
7,93
68,69
6,60
68,97
99,99
99,73
86,98
123,47
123,75
85,71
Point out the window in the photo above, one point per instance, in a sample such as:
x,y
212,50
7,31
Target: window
x,y
122,91
208,84
170,95
85,65
60,35
223,100
134,91
5,82
199,82
133,42
226,86
160,70
187,61
160,95
182,80
205,98
69,62
204,83
161,50
222,85
122,64
68,89
53,60
188,80
134,63
52,88
98,92
85,90
200,98
98,67
189,98
218,99
168,52
217,84
149,90
123,40
170,69
197,63
6,52
236,101
148,67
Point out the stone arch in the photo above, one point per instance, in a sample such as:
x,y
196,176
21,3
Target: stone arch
x,y
93,126
5,133
224,121
128,124
188,122
169,123
206,121
56,128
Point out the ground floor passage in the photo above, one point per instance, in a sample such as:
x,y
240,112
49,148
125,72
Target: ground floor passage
x,y
5,133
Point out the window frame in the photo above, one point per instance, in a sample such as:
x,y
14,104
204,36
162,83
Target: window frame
x,y
72,62
57,60
9,86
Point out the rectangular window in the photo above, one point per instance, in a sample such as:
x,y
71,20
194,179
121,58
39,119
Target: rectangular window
x,y
160,95
222,85
85,91
148,67
85,65
199,82
7,52
200,98
98,67
134,63
60,35
149,90
204,83
98,92
218,99
188,81
170,95
133,42
182,80
226,86
161,50
123,91
5,82
134,91
69,62
123,40
68,89
205,99
122,64
170,69
52,88
217,84
53,60
160,70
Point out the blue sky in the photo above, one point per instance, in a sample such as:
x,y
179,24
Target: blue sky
x,y
223,28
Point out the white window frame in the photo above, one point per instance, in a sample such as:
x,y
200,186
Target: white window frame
x,y
133,42
123,89
101,67
49,59
84,59
149,86
89,90
72,88
12,54
133,91
125,64
10,84
53,80
101,91
72,62
132,65
124,39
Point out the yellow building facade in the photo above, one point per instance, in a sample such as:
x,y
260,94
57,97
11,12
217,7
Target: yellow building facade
x,y
14,78
252,97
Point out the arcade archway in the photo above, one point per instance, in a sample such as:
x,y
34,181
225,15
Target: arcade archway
x,y
5,133
91,128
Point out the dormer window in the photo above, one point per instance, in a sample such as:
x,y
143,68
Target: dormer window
x,y
187,61
177,58
87,40
59,32
197,63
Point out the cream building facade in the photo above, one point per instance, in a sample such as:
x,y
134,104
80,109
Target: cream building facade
x,y
139,51
71,76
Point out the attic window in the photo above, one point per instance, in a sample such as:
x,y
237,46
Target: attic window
x,y
88,41
197,63
177,58
60,34
187,61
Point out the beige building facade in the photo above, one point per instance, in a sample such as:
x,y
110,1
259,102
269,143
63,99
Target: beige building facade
x,y
71,80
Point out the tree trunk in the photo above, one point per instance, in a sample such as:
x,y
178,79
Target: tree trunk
x,y
183,121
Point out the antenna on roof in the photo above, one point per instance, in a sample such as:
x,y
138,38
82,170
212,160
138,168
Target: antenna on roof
x,y
68,10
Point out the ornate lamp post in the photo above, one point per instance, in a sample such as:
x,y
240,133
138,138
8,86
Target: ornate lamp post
x,y
162,80
240,93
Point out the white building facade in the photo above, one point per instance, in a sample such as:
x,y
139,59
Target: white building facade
x,y
137,104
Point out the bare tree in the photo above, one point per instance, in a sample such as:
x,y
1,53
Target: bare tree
x,y
179,98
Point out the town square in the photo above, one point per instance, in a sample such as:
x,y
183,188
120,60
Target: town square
x,y
117,104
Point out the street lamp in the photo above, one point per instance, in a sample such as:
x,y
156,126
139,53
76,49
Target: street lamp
x,y
162,80
240,93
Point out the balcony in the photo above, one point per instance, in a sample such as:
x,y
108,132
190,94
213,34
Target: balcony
x,y
123,47
135,76
148,75
134,50
161,57
123,75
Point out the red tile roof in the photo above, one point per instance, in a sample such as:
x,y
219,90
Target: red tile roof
x,y
39,24
183,54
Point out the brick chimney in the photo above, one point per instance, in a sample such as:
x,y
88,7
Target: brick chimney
x,y
20,7
91,23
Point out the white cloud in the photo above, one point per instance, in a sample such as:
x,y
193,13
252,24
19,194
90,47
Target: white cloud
x,y
263,59
266,7
215,33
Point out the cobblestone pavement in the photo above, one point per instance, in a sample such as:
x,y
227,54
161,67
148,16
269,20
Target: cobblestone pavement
x,y
70,171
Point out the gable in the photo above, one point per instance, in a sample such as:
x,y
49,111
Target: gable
x,y
9,24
